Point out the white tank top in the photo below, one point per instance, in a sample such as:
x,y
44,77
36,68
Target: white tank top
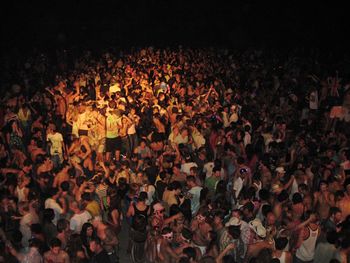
x,y
306,251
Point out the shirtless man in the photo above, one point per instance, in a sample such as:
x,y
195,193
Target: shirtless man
x,y
107,235
166,253
201,228
62,175
323,200
56,254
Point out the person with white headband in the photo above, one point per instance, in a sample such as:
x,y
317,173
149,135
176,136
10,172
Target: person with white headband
x,y
165,251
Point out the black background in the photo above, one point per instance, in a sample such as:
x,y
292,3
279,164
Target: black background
x,y
169,23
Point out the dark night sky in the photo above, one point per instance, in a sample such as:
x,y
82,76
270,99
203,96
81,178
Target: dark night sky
x,y
123,23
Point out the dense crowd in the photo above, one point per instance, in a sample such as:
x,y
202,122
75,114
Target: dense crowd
x,y
203,155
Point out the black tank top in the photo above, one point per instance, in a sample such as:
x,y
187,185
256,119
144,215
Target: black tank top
x,y
139,212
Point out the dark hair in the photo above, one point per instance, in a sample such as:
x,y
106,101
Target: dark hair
x,y
142,196
35,242
174,210
62,225
281,243
52,191
265,209
166,230
234,231
333,210
187,233
65,186
55,242
297,198
216,169
191,178
86,196
175,185
96,239
190,252
48,215
249,206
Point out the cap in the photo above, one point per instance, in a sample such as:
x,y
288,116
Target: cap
x,y
258,228
234,221
280,169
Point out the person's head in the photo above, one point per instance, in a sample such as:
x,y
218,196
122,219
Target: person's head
x,y
55,246
86,196
95,245
142,197
158,209
297,198
186,235
143,143
323,185
48,215
234,231
281,243
190,252
62,225
35,242
87,229
303,188
216,171
191,181
175,186
218,218
248,209
65,186
335,214
194,171
167,233
270,219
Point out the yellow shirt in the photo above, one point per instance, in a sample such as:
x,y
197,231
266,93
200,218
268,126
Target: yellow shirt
x,y
112,124
93,208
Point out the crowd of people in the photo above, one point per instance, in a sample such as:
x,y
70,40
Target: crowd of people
x,y
203,155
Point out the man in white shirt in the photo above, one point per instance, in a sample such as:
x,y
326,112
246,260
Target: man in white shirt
x,y
238,183
80,217
52,203
56,145
187,165
195,193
